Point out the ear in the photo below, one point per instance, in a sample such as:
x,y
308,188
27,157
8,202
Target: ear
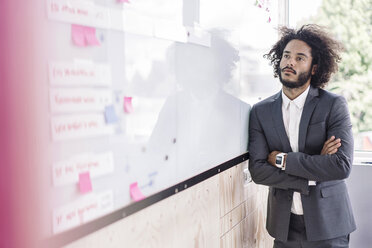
x,y
313,70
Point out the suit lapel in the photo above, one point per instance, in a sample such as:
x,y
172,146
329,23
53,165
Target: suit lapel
x,y
310,103
278,122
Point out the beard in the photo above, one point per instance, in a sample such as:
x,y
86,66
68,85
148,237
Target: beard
x,y
303,77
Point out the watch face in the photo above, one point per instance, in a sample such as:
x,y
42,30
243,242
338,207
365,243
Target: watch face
x,y
278,160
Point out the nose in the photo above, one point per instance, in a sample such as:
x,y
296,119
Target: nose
x,y
290,62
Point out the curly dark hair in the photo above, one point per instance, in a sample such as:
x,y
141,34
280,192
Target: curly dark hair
x,y
324,49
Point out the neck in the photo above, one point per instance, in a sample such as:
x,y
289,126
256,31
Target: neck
x,y
293,93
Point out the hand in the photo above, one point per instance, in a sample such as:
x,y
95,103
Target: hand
x,y
271,158
331,146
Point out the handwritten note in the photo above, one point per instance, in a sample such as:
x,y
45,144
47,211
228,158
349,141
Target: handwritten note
x,y
86,208
97,164
79,126
128,107
85,184
79,73
79,12
135,192
84,36
79,100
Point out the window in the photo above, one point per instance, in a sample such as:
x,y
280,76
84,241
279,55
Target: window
x,y
351,23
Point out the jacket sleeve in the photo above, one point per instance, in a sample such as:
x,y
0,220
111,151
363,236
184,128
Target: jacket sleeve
x,y
261,171
327,167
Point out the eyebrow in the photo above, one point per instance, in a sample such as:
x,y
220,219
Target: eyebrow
x,y
302,54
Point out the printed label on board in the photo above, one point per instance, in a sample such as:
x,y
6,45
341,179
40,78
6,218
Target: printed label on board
x,y
67,171
79,126
79,100
85,209
79,74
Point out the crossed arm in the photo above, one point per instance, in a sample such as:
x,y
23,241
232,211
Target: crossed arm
x,y
330,147
333,163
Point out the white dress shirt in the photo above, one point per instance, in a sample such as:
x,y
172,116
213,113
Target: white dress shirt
x,y
292,112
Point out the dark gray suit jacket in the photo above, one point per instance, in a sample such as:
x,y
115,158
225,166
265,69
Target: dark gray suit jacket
x,y
327,209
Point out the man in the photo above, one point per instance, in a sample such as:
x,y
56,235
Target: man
x,y
301,145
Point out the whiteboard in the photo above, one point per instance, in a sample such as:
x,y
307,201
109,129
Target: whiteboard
x,y
139,99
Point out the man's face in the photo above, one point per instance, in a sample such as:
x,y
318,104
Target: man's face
x,y
295,64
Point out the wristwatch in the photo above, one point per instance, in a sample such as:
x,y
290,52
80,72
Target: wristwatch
x,y
279,160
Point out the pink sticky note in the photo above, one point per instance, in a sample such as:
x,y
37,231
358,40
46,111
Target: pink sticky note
x,y
85,184
135,192
90,36
78,35
128,107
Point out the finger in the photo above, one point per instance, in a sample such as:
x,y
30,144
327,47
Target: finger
x,y
333,147
332,151
333,143
329,140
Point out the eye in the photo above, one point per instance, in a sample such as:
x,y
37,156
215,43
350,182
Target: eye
x,y
300,59
286,56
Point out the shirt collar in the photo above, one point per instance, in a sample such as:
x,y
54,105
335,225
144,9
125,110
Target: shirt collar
x,y
298,101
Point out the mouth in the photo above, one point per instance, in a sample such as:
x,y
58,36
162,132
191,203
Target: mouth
x,y
287,70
